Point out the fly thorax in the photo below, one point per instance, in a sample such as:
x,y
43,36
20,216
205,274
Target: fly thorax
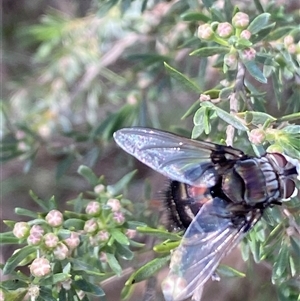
x,y
287,170
259,180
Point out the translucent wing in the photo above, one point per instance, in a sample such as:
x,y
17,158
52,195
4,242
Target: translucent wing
x,y
176,157
210,236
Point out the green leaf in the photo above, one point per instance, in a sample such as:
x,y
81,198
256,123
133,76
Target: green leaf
x,y
279,33
64,165
182,79
257,118
230,119
118,187
15,259
88,174
74,224
84,285
226,271
26,212
147,270
166,247
113,263
281,263
292,129
259,23
210,51
197,131
119,237
16,295
124,251
191,111
253,69
8,238
162,234
39,201
194,16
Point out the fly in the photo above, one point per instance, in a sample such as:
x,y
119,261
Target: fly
x,y
216,194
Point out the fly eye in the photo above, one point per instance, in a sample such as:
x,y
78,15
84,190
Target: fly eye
x,y
290,189
280,159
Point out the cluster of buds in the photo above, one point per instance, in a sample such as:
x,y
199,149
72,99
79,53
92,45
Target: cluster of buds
x,y
45,236
102,216
291,46
221,32
229,35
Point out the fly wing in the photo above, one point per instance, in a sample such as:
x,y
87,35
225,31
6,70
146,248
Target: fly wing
x,y
210,236
175,157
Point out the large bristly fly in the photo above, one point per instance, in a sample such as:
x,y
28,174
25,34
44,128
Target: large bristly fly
x,y
217,194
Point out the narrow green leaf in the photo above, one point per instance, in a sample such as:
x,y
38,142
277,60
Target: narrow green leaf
x,y
191,111
26,212
209,51
281,262
197,131
113,263
257,118
88,287
147,270
17,295
163,234
8,238
39,201
224,270
118,187
119,237
166,247
182,79
63,166
15,259
230,119
124,251
88,174
194,16
259,23
253,69
292,129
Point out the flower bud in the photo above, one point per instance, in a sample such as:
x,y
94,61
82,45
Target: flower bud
x,y
34,239
99,188
130,233
257,136
114,204
245,34
102,235
61,251
119,217
240,20
67,284
288,40
205,32
224,30
21,229
51,240
54,218
33,291
204,97
248,54
90,226
40,267
93,208
73,240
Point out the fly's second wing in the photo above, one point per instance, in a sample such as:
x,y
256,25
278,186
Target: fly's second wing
x,y
211,235
176,157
